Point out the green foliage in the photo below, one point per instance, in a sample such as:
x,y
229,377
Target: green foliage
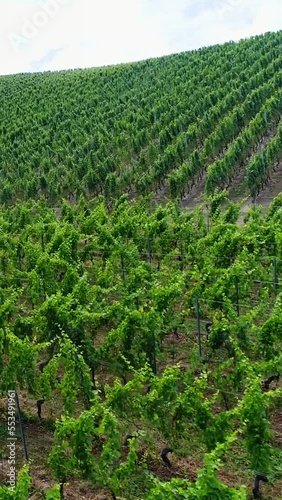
x,y
54,493
22,488
135,127
270,335
90,447
100,282
207,486
17,364
256,426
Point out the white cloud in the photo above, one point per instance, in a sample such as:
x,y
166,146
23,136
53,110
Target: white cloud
x,y
83,33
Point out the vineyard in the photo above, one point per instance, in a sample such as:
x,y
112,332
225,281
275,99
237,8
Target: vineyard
x,y
141,335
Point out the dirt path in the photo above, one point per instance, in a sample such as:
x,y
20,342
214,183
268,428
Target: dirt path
x,y
236,194
266,196
271,190
196,195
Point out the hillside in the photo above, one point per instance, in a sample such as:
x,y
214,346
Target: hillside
x,y
142,339
163,125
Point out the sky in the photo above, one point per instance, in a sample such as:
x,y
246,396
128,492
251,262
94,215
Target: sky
x,y
50,35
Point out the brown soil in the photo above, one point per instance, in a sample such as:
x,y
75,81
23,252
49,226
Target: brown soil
x,y
274,188
196,196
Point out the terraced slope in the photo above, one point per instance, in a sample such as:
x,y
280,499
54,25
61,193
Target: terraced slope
x,y
164,125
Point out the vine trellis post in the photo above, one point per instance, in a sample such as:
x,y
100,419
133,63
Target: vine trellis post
x,y
21,427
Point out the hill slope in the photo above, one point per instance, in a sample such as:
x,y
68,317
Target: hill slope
x,y
164,124
129,329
